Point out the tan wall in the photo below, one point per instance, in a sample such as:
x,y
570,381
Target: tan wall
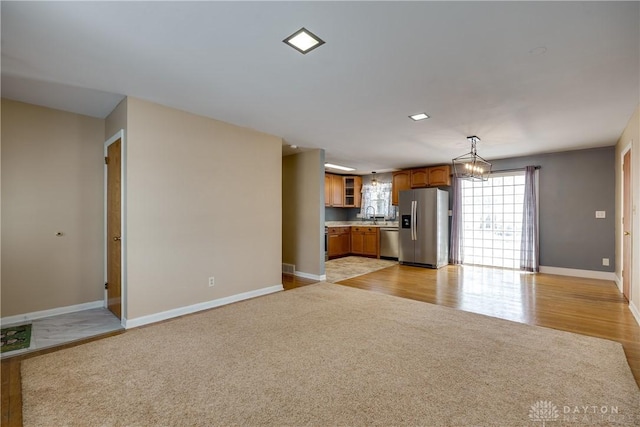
x,y
116,120
52,180
303,211
203,199
631,135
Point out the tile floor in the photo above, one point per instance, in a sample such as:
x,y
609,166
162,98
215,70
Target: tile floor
x,y
64,328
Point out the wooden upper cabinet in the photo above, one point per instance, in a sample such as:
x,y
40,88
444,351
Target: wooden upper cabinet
x,y
440,176
327,189
419,178
337,191
401,181
352,191
342,191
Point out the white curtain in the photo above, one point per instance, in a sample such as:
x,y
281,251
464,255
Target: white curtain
x,y
378,196
455,248
529,248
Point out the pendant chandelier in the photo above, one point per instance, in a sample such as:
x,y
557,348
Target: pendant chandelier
x,y
471,166
374,181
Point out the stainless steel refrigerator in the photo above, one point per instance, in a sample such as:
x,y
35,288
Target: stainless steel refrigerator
x,y
424,227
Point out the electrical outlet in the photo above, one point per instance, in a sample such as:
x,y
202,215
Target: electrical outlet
x,y
605,262
212,281
601,214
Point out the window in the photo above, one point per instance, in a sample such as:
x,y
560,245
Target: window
x,y
492,220
378,196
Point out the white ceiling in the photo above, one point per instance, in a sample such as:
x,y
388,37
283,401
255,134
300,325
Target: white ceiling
x,y
474,67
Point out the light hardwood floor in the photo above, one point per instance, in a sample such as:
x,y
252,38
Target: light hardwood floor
x,y
585,306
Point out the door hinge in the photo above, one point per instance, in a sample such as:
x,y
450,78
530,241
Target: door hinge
x,y
106,285
106,160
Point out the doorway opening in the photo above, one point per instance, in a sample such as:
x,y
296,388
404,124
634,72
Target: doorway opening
x,y
114,231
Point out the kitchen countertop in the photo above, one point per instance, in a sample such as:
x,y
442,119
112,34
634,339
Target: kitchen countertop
x,y
385,224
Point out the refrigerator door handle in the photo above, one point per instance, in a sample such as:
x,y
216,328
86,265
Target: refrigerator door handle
x,y
414,211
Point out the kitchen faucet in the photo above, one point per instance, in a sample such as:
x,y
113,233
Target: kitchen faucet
x,y
366,212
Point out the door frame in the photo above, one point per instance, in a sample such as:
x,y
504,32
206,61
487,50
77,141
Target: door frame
x,y
623,152
123,221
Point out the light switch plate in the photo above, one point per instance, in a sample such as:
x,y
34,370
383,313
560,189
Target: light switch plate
x,y
601,214
605,262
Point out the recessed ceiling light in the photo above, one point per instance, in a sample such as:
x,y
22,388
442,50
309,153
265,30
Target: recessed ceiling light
x,y
420,116
303,40
342,168
540,50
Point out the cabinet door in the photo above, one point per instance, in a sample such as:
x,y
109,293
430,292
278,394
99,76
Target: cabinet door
x,y
440,176
357,242
349,191
334,245
327,189
401,181
345,243
419,178
357,187
370,242
337,191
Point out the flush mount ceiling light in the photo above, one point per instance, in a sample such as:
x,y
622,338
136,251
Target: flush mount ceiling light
x,y
470,166
342,168
303,41
418,117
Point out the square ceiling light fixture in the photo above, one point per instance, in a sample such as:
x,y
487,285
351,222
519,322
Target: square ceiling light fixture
x,y
303,41
418,117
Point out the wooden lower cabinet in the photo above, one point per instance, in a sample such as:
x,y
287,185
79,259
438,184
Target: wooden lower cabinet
x,y
365,241
339,243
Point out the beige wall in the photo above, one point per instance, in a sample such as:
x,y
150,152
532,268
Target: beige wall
x,y
116,120
303,212
203,199
52,181
630,136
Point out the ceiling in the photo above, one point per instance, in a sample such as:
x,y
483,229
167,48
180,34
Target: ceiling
x,y
526,77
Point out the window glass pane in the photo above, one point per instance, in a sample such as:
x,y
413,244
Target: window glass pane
x,y
492,220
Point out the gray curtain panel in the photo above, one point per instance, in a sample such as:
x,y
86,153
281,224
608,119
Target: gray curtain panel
x,y
455,248
529,248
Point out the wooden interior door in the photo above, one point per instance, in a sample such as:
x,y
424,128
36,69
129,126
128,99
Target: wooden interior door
x,y
626,225
114,229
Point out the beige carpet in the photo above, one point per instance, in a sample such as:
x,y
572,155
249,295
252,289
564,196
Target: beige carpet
x,y
326,354
344,268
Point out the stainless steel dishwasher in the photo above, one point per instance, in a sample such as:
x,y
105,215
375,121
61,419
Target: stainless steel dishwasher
x,y
388,242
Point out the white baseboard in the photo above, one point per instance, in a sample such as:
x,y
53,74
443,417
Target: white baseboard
x,y
304,275
27,317
176,312
587,274
618,281
635,312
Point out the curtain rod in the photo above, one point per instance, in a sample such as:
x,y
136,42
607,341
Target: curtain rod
x,y
514,169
